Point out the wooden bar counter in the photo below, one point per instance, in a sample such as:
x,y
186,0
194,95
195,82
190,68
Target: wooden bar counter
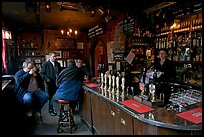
x,y
106,117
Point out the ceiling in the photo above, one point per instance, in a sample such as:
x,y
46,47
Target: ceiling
x,y
74,14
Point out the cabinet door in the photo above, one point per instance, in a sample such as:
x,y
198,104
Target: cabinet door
x,y
126,123
141,128
99,114
112,120
119,122
103,112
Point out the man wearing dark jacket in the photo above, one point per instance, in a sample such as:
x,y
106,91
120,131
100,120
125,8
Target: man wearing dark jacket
x,y
28,90
49,72
69,85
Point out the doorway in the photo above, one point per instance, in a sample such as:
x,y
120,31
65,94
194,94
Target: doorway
x,y
98,56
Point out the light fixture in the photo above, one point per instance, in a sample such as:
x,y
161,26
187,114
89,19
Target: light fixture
x,y
48,7
92,12
69,33
6,34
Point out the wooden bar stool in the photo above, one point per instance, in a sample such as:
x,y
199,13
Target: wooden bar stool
x,y
65,121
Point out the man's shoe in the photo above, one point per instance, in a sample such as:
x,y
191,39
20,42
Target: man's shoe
x,y
38,114
52,113
29,114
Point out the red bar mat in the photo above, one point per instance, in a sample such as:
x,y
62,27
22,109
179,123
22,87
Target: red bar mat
x,y
92,85
193,115
140,108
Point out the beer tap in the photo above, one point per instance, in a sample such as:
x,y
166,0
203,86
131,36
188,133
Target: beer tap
x,y
113,88
123,89
102,84
117,89
105,87
109,88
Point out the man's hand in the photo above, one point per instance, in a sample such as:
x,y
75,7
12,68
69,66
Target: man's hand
x,y
31,71
141,86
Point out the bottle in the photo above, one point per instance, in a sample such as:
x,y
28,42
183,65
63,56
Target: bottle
x,y
144,75
155,75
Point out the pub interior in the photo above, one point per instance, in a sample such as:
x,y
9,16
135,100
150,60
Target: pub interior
x,y
119,43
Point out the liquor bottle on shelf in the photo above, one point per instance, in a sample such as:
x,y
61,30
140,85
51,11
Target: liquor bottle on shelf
x,y
193,47
157,43
199,47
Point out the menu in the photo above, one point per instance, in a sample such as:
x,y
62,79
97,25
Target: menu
x,y
193,115
140,108
129,25
119,38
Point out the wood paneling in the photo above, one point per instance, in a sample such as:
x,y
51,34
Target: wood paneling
x,y
86,108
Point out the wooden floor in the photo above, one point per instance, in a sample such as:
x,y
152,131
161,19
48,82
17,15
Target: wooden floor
x,y
14,122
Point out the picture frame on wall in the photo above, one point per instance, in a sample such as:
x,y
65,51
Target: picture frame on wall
x,y
61,63
66,43
65,54
58,54
80,45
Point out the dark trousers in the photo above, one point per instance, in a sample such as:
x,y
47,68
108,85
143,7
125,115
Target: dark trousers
x,y
165,90
50,88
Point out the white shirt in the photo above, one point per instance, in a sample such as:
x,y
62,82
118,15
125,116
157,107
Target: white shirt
x,y
53,63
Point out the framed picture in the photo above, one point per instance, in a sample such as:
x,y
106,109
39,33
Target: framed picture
x,y
64,63
80,45
65,54
65,43
61,63
110,66
58,54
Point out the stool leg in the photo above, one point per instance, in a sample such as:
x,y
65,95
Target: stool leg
x,y
69,117
41,117
59,119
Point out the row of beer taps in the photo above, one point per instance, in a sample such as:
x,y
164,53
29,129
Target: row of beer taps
x,y
112,87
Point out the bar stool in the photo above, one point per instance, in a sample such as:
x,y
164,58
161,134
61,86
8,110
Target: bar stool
x,y
67,122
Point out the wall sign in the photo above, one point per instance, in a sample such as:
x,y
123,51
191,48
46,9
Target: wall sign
x,y
118,56
128,26
119,38
95,31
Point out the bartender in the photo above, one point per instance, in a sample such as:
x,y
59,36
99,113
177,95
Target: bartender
x,y
168,74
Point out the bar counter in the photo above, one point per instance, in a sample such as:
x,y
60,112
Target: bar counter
x,y
110,117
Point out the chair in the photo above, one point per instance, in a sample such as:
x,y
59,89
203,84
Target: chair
x,y
67,122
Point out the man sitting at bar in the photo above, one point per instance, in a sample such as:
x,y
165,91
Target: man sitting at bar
x,y
28,90
69,85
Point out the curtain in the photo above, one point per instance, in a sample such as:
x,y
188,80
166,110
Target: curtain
x,y
4,58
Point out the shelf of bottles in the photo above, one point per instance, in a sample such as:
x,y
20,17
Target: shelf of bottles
x,y
137,43
184,43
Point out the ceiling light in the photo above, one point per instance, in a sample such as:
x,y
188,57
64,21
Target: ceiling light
x,y
48,7
92,12
69,33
